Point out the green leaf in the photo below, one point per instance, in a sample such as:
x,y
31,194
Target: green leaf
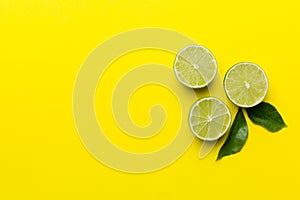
x,y
238,135
266,115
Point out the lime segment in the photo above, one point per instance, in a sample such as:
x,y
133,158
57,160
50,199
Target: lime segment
x,y
209,118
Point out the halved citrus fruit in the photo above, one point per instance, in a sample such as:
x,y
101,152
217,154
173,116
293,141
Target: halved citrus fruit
x,y
246,84
209,118
195,66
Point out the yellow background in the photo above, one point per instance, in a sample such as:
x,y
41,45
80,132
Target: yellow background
x,y
43,44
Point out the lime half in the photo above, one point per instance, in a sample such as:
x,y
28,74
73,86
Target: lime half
x,y
195,66
246,84
209,118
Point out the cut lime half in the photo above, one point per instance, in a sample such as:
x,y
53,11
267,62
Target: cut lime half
x,y
195,66
209,118
246,84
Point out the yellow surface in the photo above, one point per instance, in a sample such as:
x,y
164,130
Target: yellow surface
x,y
43,44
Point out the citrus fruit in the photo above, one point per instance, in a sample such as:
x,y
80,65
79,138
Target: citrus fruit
x,y
246,84
209,118
195,66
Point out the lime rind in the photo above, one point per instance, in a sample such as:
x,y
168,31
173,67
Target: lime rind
x,y
195,66
236,80
209,118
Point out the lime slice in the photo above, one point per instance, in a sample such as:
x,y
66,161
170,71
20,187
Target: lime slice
x,y
209,118
195,66
246,84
